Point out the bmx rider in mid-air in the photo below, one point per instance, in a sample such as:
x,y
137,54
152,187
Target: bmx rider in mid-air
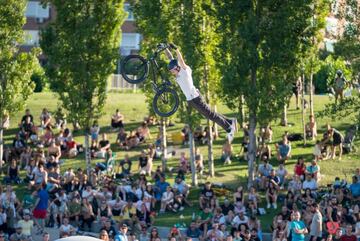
x,y
183,75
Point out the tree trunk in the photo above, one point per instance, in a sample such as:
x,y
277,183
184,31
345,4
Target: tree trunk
x,y
194,178
1,145
241,111
251,155
163,144
87,153
210,150
284,121
311,94
303,107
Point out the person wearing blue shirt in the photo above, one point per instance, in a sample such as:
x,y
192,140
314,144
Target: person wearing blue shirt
x,y
355,187
284,150
160,187
121,236
297,228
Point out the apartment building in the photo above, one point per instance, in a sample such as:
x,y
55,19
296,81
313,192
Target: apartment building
x,y
38,16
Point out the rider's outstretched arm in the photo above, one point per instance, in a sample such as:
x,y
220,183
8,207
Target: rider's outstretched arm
x,y
168,54
180,59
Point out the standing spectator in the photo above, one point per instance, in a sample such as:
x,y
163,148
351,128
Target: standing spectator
x,y
27,114
117,120
337,140
94,133
297,228
227,150
311,128
41,206
340,84
199,161
45,118
316,223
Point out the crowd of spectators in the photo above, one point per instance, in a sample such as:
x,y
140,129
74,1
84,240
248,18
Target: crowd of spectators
x,y
125,204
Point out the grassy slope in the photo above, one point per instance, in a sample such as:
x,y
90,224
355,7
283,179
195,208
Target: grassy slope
x,y
134,108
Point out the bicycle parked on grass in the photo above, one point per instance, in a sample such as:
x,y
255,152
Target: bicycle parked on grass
x,y
135,69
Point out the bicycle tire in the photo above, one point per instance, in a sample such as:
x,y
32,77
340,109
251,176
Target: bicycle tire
x,y
166,102
134,69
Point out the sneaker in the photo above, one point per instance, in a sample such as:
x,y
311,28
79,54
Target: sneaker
x,y
275,206
231,134
268,206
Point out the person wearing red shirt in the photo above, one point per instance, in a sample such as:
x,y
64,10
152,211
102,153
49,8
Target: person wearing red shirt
x,y
348,236
300,168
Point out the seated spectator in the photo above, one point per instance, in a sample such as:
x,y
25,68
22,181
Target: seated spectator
x,y
18,145
309,183
143,132
227,150
28,128
239,195
54,150
48,136
263,172
104,146
282,173
204,219
355,188
66,228
185,133
271,195
311,128
244,147
94,133
13,173
215,233
132,140
87,214
167,201
207,134
283,150
144,166
300,168
40,175
183,163
26,224
150,120
266,134
18,235
103,235
199,161
60,117
182,187
71,148
348,235
264,150
27,114
206,195
239,219
193,231
124,167
121,138
117,120
160,187
45,118
313,170
226,207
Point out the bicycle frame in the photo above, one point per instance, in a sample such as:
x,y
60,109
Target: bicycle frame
x,y
156,69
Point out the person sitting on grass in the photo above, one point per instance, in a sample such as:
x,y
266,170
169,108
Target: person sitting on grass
x,y
66,228
282,173
199,135
132,141
283,150
121,138
45,118
117,120
227,150
309,183
194,232
204,219
183,163
104,146
206,195
271,195
48,136
143,132
314,170
264,150
13,173
199,161
263,172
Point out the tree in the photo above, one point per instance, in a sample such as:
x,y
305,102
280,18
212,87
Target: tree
x,y
82,46
260,53
193,31
15,68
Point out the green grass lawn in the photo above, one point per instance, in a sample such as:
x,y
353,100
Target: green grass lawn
x,y
134,108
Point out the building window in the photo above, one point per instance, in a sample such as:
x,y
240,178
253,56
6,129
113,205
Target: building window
x,y
31,37
129,41
129,11
36,10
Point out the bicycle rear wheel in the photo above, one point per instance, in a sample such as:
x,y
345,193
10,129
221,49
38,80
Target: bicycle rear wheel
x,y
134,69
166,102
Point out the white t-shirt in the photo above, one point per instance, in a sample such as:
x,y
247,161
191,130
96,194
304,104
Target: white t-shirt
x,y
312,185
185,81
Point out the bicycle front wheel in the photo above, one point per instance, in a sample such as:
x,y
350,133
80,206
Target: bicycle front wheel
x,y
166,102
134,69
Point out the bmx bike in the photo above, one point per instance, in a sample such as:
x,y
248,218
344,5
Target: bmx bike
x,y
135,69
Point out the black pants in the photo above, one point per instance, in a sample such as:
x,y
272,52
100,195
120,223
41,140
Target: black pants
x,y
199,104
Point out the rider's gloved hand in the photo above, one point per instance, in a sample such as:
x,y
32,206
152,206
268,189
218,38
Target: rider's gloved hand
x,y
172,46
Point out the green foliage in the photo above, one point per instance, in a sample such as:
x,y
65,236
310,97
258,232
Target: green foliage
x,y
325,77
349,46
82,46
15,68
39,79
